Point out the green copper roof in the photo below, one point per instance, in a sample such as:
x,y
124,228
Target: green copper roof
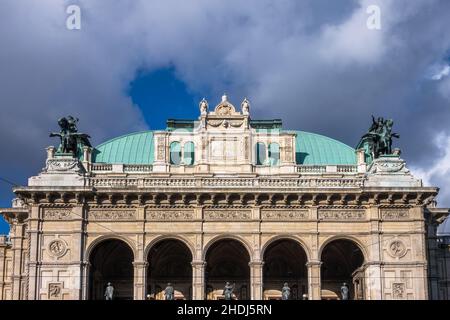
x,y
134,148
314,148
138,148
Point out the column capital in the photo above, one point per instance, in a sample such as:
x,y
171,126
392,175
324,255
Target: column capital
x,y
313,263
198,263
256,263
140,263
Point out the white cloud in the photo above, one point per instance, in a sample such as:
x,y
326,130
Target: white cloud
x,y
438,174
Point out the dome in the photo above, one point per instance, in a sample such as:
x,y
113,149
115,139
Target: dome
x,y
311,149
133,148
315,149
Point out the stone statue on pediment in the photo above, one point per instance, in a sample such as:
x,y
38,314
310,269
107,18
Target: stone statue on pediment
x,y
245,106
203,106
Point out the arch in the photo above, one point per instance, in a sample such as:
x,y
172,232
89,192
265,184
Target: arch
x,y
155,241
287,237
189,153
260,149
356,241
274,154
111,261
285,261
225,237
175,153
342,260
169,261
227,260
103,238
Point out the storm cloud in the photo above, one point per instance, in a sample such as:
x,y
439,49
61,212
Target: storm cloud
x,y
314,64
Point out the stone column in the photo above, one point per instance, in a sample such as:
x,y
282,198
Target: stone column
x,y
140,275
33,229
256,280
314,281
198,280
85,282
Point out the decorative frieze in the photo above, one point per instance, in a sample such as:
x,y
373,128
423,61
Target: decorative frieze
x,y
167,214
342,214
395,214
112,214
57,213
226,215
281,214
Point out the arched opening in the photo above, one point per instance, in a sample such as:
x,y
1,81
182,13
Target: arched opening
x,y
260,153
169,261
175,153
285,261
189,153
111,261
342,262
274,154
227,261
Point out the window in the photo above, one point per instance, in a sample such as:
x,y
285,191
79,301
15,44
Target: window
x,y
274,154
175,153
189,153
260,153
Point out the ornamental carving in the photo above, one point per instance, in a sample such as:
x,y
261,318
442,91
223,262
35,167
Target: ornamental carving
x,y
227,215
55,291
63,165
170,214
342,214
288,150
160,153
57,248
397,249
285,214
398,290
395,214
57,214
112,214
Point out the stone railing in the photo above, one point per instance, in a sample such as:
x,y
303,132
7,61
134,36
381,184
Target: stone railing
x,y
319,169
311,169
206,183
138,168
106,167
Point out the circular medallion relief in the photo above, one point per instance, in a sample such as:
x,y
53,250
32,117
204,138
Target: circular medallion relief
x,y
57,248
397,249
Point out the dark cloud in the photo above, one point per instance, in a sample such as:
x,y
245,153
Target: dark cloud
x,y
312,63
